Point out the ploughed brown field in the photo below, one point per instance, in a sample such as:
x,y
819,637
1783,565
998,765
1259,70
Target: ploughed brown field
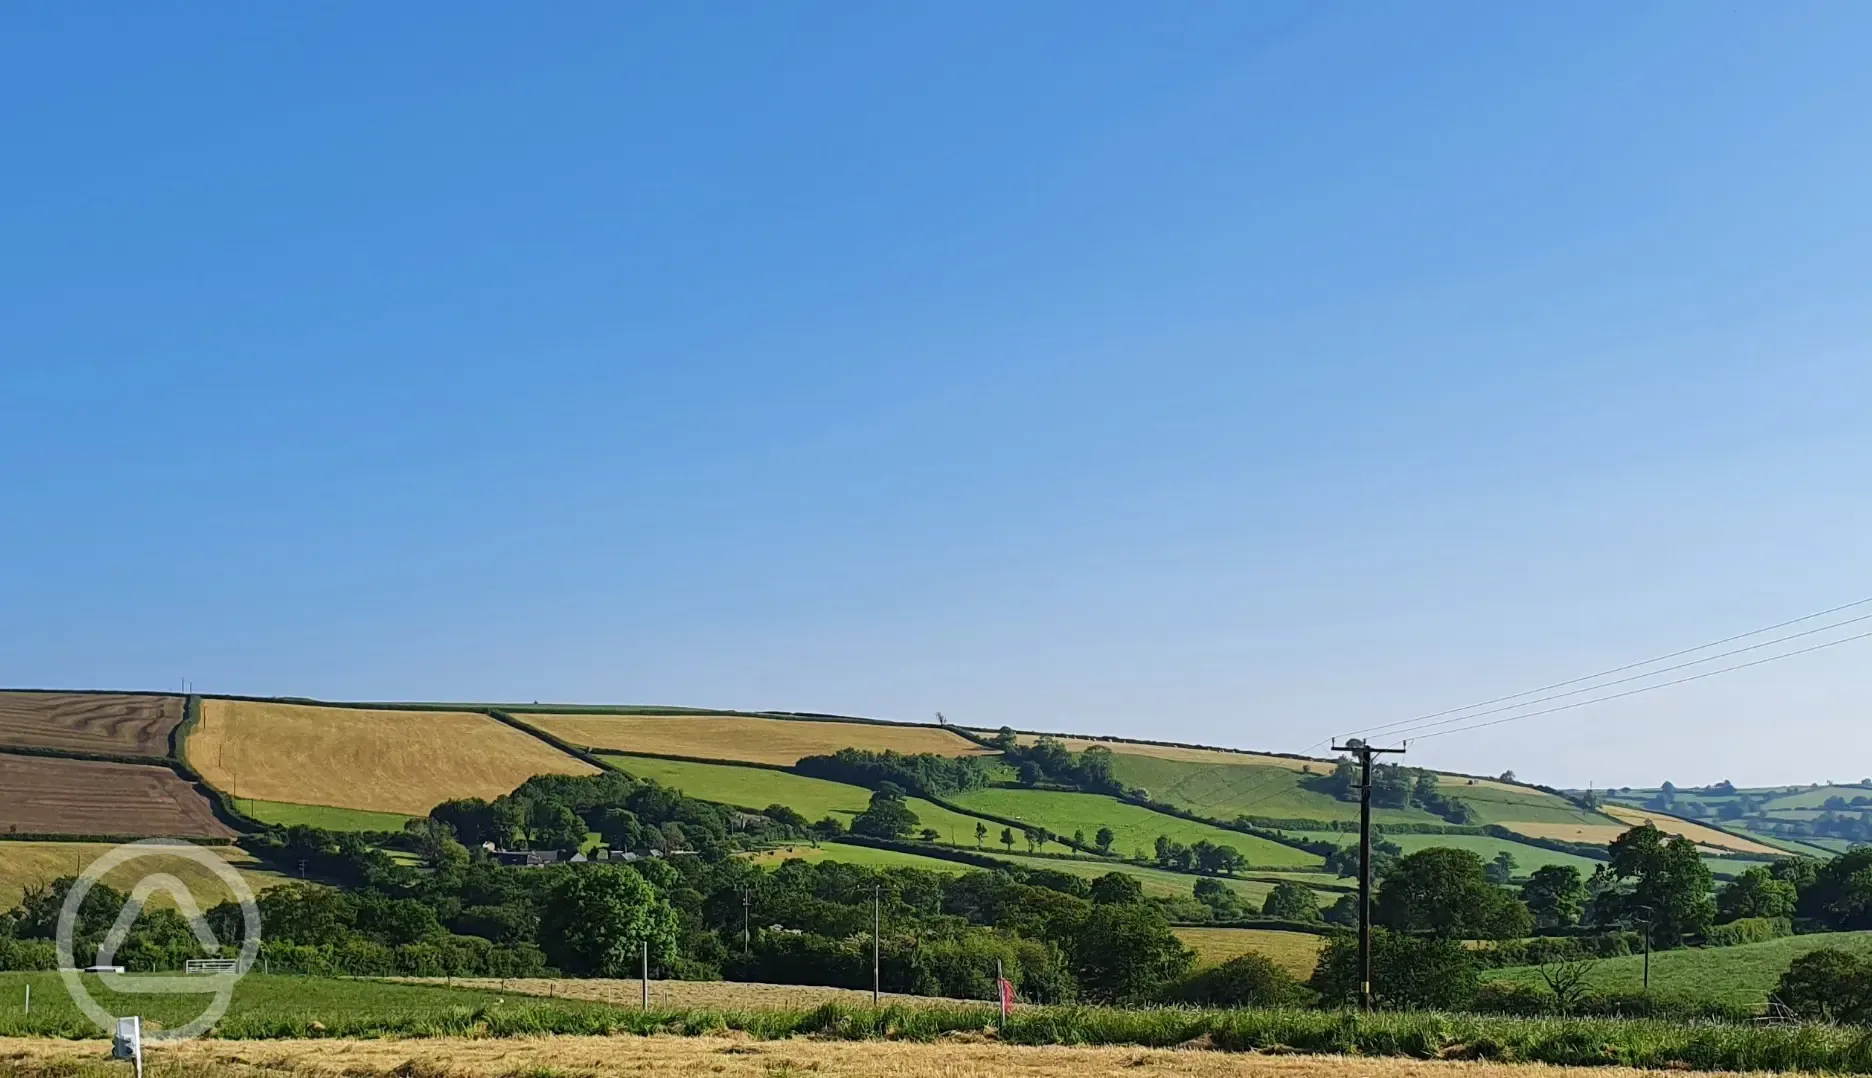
x,y
44,795
117,723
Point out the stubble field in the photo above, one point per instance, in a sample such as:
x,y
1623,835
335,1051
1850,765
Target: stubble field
x,y
118,723
46,795
380,761
780,742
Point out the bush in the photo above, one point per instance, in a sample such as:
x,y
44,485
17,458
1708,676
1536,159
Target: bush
x,y
1249,980
1407,971
1829,985
1748,930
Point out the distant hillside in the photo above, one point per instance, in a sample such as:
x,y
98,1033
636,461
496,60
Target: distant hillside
x,y
1815,820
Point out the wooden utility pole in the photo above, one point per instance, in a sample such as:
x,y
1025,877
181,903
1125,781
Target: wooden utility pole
x,y
1364,753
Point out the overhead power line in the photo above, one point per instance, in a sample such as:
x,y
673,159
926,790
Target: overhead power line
x,y
1614,670
1652,688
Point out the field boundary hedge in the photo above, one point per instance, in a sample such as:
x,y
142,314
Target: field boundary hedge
x,y
931,850
221,803
556,742
54,836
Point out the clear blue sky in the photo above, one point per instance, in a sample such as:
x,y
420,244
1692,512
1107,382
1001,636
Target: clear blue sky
x,y
1233,373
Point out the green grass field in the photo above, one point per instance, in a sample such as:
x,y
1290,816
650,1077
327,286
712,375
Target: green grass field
x,y
1136,828
858,855
1295,952
755,788
1224,791
321,816
1496,803
1157,883
257,997
1744,974
1527,858
1816,797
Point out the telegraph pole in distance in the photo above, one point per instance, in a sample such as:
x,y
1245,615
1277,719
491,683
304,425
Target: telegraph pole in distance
x,y
1364,753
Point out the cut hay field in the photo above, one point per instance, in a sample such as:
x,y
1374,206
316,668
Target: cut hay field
x,y
1295,952
1136,828
762,741
380,761
323,817
972,1053
123,724
1744,974
23,864
755,788
46,795
1695,832
858,855
1186,754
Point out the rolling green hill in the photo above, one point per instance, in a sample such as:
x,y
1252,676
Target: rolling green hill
x,y
1136,828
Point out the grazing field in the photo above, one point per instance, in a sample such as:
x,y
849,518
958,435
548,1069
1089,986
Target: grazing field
x,y
1157,882
1136,828
1744,974
1816,797
1695,832
1244,787
1527,857
1295,952
858,855
118,723
1517,806
46,795
24,864
760,741
323,817
381,761
756,788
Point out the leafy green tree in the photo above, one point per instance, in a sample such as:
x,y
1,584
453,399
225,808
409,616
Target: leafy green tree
x,y
1343,911
1670,883
981,833
1007,838
790,817
888,816
1127,954
1447,892
1291,902
1117,889
551,825
1249,980
1224,904
1078,839
1555,895
1840,892
1407,971
1104,839
1755,893
1501,870
596,920
1828,985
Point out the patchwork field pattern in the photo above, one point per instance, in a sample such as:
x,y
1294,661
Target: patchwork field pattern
x,y
1135,828
1695,832
380,761
25,864
44,795
118,723
781,742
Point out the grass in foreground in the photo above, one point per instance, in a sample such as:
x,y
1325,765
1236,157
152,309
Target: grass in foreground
x,y
1418,1035
1744,974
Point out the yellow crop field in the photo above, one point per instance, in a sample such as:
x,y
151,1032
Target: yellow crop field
x,y
1695,832
1188,755
24,864
749,740
356,758
728,1055
1296,952
1596,833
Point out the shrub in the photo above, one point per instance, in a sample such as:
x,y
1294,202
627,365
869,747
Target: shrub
x,y
1748,930
1407,971
1828,984
1249,980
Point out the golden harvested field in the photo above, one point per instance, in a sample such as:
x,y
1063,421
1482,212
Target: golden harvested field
x,y
1695,832
727,1056
1188,755
120,723
26,863
1296,952
759,741
1597,833
356,758
726,995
